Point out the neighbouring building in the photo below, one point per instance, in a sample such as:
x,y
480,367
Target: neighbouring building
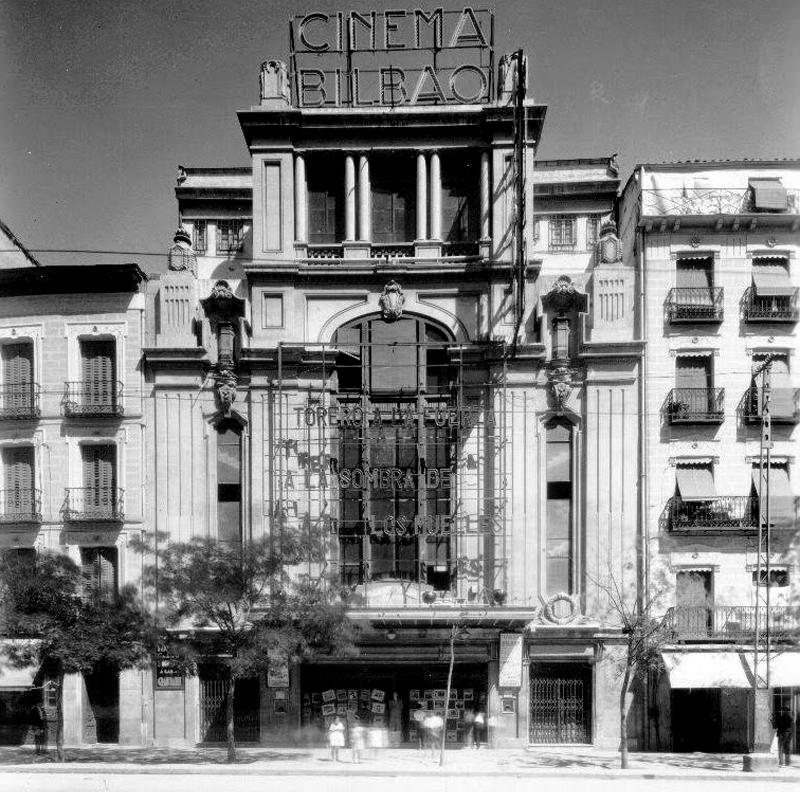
x,y
72,455
717,244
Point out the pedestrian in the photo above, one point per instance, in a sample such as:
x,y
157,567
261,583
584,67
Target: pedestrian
x,y
39,728
784,724
469,731
433,725
418,718
357,741
336,737
479,725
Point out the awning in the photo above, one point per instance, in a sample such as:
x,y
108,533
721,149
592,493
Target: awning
x,y
708,669
769,194
771,279
16,678
695,483
784,669
782,509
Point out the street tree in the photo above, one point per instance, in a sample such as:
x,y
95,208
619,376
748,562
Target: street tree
x,y
241,604
644,633
56,620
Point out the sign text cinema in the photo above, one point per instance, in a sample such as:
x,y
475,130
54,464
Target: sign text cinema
x,y
396,415
339,77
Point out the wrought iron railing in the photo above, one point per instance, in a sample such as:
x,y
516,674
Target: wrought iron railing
x,y
706,201
23,505
784,405
93,398
770,309
721,512
460,248
392,250
731,622
19,402
695,304
328,251
695,405
94,504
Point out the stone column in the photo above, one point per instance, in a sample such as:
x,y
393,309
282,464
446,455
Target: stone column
x,y
486,193
300,210
422,196
364,200
350,198
436,197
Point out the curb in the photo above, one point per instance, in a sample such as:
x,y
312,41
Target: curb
x,y
234,770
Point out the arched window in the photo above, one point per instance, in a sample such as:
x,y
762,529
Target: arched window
x,y
560,496
395,453
229,482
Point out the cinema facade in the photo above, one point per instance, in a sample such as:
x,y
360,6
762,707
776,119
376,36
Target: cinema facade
x,y
368,339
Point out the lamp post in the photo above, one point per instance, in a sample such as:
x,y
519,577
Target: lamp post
x,y
761,706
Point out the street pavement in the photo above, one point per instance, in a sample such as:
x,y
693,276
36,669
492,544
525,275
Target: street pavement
x,y
301,768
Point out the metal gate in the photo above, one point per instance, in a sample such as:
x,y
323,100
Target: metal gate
x,y
559,709
246,719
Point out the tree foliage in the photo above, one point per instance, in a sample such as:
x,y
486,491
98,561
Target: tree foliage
x,y
57,622
240,605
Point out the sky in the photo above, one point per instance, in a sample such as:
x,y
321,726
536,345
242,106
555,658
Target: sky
x,y
101,100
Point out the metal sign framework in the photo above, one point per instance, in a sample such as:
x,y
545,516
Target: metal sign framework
x,y
305,419
337,60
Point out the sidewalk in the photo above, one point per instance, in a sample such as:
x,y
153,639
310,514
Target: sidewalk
x,y
582,761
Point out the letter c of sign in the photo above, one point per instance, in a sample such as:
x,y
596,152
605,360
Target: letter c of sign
x,y
302,32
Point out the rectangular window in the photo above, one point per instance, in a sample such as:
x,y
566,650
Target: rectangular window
x,y
99,494
17,387
592,231
393,199
273,207
559,509
18,501
536,229
272,310
229,486
99,568
199,236
778,578
460,181
694,603
562,232
325,201
98,391
230,236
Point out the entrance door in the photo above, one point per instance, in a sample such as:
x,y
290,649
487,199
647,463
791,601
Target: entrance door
x,y
101,707
560,703
696,719
246,715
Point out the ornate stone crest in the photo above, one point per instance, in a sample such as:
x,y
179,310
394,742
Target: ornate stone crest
x,y
225,381
609,246
181,257
561,384
391,302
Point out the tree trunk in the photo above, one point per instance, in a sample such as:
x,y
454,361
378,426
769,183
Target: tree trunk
x,y
623,719
60,717
229,718
447,695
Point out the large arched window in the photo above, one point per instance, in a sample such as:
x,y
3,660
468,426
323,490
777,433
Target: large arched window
x,y
560,497
395,467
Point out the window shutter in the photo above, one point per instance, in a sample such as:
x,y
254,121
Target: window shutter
x,y
99,368
99,474
17,375
18,474
382,216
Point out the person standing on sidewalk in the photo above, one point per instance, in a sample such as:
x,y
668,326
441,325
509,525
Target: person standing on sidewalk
x,y
479,724
336,737
784,724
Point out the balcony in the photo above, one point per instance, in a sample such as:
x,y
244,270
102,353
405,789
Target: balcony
x,y
720,513
89,399
695,304
20,506
784,405
328,251
94,504
695,405
731,622
681,201
460,248
19,402
770,309
392,250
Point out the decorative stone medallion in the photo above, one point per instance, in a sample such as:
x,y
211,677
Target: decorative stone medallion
x,y
391,302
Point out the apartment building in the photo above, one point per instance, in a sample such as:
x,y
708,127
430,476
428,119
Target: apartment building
x,y
716,244
72,451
